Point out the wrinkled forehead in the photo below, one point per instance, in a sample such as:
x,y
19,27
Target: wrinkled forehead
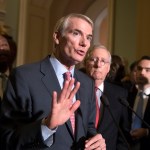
x,y
79,23
100,53
144,63
81,19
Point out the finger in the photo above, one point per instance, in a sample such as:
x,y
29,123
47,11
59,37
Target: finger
x,y
74,90
75,106
54,101
67,87
97,138
62,95
103,145
70,87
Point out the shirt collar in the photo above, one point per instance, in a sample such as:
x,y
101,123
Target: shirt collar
x,y
101,87
147,91
58,67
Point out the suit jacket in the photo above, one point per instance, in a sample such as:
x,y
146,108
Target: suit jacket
x,y
107,126
28,99
145,141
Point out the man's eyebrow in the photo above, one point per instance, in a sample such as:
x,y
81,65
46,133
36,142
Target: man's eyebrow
x,y
81,32
90,35
77,30
143,67
146,67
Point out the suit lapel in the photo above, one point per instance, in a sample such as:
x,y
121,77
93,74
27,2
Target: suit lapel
x,y
49,78
147,111
80,123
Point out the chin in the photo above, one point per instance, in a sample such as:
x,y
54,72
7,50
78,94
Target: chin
x,y
78,60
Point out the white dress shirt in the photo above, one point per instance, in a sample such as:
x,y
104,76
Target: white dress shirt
x,y
59,71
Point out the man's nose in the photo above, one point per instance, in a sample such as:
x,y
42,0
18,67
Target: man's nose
x,y
97,64
142,71
83,41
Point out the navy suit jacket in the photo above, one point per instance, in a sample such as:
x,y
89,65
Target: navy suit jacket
x,y
107,127
145,141
28,100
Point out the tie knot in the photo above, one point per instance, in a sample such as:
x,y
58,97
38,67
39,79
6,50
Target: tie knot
x,y
96,88
141,94
67,75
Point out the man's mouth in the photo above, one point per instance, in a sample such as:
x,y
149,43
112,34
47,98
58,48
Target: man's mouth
x,y
80,52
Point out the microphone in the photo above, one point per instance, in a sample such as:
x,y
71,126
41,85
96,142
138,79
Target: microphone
x,y
125,103
106,103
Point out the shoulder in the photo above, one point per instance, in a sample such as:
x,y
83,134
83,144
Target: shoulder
x,y
114,86
116,90
32,66
82,76
84,79
29,69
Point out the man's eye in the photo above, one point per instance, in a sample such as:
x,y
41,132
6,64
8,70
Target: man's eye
x,y
147,69
89,38
103,61
75,33
93,59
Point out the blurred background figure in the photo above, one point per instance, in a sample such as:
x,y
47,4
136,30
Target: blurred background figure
x,y
129,82
8,51
139,100
117,70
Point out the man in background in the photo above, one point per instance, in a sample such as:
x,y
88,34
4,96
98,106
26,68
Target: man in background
x,y
139,100
129,82
97,65
8,52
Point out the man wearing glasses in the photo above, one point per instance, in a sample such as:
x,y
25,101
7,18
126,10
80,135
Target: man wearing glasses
x,y
97,65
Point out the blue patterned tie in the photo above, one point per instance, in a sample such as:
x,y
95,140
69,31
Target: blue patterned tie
x,y
136,121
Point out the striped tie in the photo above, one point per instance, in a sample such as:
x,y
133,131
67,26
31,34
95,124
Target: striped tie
x,y
72,117
97,109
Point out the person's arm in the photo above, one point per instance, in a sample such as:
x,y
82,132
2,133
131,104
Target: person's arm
x,y
96,142
61,110
47,134
20,125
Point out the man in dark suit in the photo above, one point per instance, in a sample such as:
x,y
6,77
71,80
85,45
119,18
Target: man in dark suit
x,y
8,52
97,64
139,131
39,105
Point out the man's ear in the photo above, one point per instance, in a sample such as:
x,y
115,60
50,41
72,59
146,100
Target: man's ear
x,y
56,36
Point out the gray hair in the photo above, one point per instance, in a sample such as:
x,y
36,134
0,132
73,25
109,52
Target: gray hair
x,y
62,24
97,46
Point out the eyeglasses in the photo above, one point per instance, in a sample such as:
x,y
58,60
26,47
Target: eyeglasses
x,y
96,60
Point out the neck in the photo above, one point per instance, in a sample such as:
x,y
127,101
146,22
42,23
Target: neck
x,y
143,87
60,58
98,83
